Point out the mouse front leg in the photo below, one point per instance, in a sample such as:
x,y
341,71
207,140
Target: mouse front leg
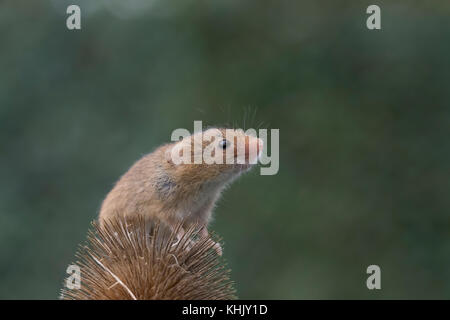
x,y
203,216
190,242
217,247
180,236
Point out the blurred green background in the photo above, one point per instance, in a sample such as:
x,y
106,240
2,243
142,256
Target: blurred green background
x,y
364,120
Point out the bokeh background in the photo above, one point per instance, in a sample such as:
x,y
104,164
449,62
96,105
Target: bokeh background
x,y
364,121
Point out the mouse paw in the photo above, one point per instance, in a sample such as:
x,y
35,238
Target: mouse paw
x,y
218,248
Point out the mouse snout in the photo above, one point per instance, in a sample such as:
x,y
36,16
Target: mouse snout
x,y
253,149
260,147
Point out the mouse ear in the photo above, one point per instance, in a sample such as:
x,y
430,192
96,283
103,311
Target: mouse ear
x,y
168,155
178,153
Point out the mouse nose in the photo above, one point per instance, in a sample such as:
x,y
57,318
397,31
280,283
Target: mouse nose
x,y
253,149
260,146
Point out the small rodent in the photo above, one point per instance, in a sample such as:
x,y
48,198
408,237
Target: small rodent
x,y
156,186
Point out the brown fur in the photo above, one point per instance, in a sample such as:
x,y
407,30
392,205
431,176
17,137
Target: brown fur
x,y
157,187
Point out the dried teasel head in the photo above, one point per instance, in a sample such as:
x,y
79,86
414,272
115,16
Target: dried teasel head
x,y
133,258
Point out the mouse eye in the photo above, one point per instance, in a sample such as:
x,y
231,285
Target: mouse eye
x,y
223,143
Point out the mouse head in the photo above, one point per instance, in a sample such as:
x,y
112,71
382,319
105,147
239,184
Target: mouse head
x,y
217,154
